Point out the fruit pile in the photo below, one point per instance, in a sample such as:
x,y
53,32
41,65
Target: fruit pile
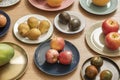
x,y
92,70
110,29
73,23
33,28
57,54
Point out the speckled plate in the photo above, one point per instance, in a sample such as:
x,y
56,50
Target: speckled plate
x,y
17,65
6,3
55,69
95,40
108,64
91,8
41,4
42,37
64,28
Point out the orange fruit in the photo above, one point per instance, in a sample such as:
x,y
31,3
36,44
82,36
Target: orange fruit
x,y
100,2
3,20
54,3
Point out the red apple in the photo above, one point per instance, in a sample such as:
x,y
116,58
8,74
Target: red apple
x,y
112,40
65,57
57,43
52,56
110,25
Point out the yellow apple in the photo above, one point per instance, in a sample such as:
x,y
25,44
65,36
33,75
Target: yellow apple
x,y
100,2
54,3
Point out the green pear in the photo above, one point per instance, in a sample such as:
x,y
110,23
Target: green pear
x,y
6,53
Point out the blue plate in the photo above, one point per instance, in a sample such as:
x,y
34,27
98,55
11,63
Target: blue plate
x,y
4,30
55,69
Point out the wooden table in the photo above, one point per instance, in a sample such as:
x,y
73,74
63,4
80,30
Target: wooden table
x,y
24,8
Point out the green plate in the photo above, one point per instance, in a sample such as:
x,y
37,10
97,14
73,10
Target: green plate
x,y
17,65
91,8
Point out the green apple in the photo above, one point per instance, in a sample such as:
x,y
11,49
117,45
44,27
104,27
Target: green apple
x,y
6,53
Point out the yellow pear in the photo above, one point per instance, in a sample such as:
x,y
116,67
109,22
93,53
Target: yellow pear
x,y
100,2
23,28
44,26
33,22
33,34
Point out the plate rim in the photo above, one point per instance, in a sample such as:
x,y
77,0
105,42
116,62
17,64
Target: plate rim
x,y
106,58
27,59
36,63
89,43
55,9
32,41
115,8
82,20
10,4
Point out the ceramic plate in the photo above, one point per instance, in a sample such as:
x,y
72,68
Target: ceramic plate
x,y
91,8
17,65
108,64
55,69
95,40
64,28
42,38
4,30
6,3
41,4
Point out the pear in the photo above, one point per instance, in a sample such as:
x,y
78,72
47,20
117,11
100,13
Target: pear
x,y
33,34
33,22
23,28
44,26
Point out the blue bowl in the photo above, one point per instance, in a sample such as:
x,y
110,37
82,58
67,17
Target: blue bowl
x,y
4,30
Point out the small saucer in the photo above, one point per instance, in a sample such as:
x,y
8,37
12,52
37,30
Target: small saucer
x,y
64,28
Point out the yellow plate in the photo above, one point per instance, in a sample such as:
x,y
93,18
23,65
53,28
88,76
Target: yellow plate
x,y
17,65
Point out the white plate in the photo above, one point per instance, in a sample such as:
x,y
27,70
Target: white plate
x,y
42,38
95,40
6,3
64,28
